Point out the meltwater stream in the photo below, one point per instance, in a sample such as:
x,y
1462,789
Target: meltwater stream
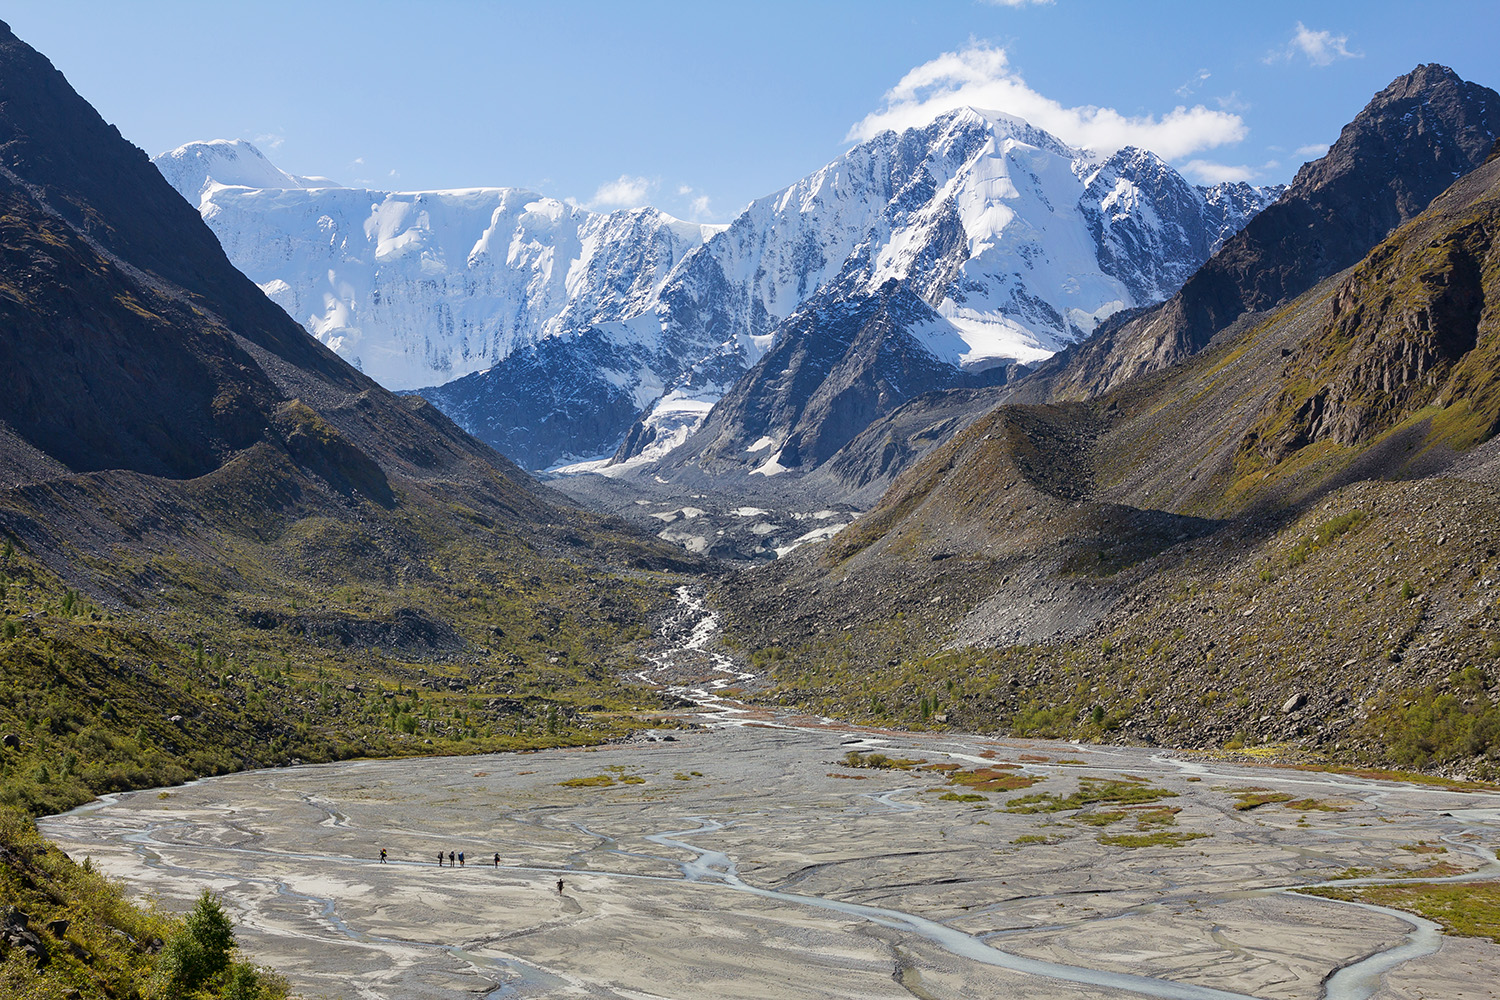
x,y
708,865
694,627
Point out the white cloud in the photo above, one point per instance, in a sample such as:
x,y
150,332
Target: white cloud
x,y
270,140
1321,48
1208,172
359,161
1313,151
700,206
625,192
684,190
980,76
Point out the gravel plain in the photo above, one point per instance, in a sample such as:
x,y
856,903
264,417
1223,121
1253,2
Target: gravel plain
x,y
745,859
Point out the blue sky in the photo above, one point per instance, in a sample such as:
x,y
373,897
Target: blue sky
x,y
699,107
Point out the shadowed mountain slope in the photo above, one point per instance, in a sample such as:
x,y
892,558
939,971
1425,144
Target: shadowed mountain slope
x,y
207,518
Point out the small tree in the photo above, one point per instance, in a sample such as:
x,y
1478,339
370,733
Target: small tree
x,y
198,962
197,954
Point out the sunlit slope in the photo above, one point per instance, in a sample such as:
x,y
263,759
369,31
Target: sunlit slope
x,y
1300,512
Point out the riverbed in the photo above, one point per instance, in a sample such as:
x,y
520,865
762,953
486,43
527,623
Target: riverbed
x,y
747,858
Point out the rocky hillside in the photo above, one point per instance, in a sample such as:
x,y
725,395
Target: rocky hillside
x,y
1286,538
221,545
834,367
1410,142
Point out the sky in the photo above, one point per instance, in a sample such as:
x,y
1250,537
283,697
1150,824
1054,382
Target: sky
x,y
699,107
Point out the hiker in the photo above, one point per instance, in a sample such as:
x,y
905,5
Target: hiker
x,y
559,887
450,859
497,860
460,859
382,855
440,859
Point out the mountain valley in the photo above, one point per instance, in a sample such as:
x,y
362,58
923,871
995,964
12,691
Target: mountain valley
x,y
970,462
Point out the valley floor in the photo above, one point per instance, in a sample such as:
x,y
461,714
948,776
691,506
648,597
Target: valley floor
x,y
757,858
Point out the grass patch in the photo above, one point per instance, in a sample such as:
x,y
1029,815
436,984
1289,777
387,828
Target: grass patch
x,y
1471,909
597,781
880,761
1254,798
1089,793
1315,805
1036,838
989,779
957,797
1156,816
1158,838
1104,818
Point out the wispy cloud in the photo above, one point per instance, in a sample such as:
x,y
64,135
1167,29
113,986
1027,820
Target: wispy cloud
x,y
1232,101
698,202
1312,151
269,140
1191,87
1208,172
980,76
1320,48
624,192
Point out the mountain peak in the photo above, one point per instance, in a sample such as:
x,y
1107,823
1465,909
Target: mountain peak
x,y
194,167
1423,77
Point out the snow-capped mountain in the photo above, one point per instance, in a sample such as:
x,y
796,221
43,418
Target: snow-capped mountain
x,y
196,169
419,288
555,328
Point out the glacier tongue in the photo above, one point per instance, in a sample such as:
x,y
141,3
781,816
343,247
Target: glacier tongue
x,y
554,331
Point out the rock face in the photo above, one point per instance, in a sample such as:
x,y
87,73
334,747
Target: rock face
x,y
1409,143
836,365
549,330
1410,328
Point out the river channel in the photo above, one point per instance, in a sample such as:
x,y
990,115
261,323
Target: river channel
x,y
744,858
